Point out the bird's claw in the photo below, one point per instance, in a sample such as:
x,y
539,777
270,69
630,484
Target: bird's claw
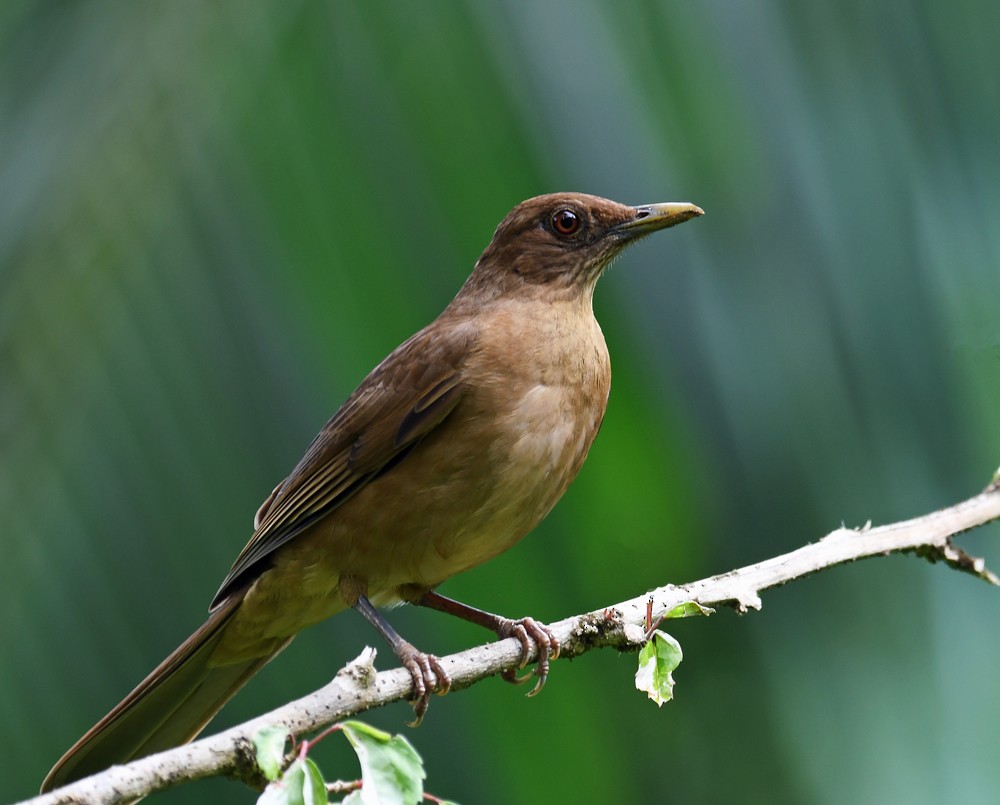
x,y
429,676
511,675
526,631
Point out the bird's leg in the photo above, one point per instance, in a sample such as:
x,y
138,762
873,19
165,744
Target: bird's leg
x,y
524,629
426,670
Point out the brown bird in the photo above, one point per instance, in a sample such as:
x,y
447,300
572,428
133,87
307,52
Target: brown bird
x,y
446,455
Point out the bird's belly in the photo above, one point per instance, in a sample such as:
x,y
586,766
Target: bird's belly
x,y
469,491
457,507
518,478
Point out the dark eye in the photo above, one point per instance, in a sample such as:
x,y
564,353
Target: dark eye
x,y
565,222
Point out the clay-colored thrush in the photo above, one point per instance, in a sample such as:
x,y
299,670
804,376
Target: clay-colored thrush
x,y
447,454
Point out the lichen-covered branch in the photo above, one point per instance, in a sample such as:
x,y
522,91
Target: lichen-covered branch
x,y
358,687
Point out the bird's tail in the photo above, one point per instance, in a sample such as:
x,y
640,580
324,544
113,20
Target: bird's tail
x,y
168,708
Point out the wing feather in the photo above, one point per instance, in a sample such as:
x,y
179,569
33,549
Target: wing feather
x,y
403,399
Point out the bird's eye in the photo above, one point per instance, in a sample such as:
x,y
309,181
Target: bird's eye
x,y
565,222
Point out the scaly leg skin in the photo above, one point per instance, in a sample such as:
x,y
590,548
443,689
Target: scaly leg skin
x,y
426,670
525,630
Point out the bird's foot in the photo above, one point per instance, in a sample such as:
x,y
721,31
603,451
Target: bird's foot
x,y
429,676
527,630
426,670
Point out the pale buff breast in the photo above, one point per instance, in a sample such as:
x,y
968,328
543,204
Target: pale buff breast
x,y
533,423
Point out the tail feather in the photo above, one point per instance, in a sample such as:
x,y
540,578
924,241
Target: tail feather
x,y
168,708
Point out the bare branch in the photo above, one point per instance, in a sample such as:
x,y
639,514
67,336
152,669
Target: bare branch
x,y
358,687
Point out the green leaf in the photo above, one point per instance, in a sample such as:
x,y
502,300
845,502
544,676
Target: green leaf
x,y
354,798
392,772
269,744
367,729
301,784
687,609
657,660
315,786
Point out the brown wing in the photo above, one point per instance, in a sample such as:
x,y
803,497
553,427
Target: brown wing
x,y
404,398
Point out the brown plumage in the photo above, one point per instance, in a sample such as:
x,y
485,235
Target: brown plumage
x,y
448,453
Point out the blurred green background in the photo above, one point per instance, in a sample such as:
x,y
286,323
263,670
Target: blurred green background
x,y
216,217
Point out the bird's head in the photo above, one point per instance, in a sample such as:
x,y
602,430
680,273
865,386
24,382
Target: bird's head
x,y
564,241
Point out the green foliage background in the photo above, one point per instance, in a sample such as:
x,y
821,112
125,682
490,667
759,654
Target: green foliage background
x,y
216,217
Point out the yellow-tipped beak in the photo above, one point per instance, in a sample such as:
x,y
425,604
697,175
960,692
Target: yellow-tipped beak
x,y
651,217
